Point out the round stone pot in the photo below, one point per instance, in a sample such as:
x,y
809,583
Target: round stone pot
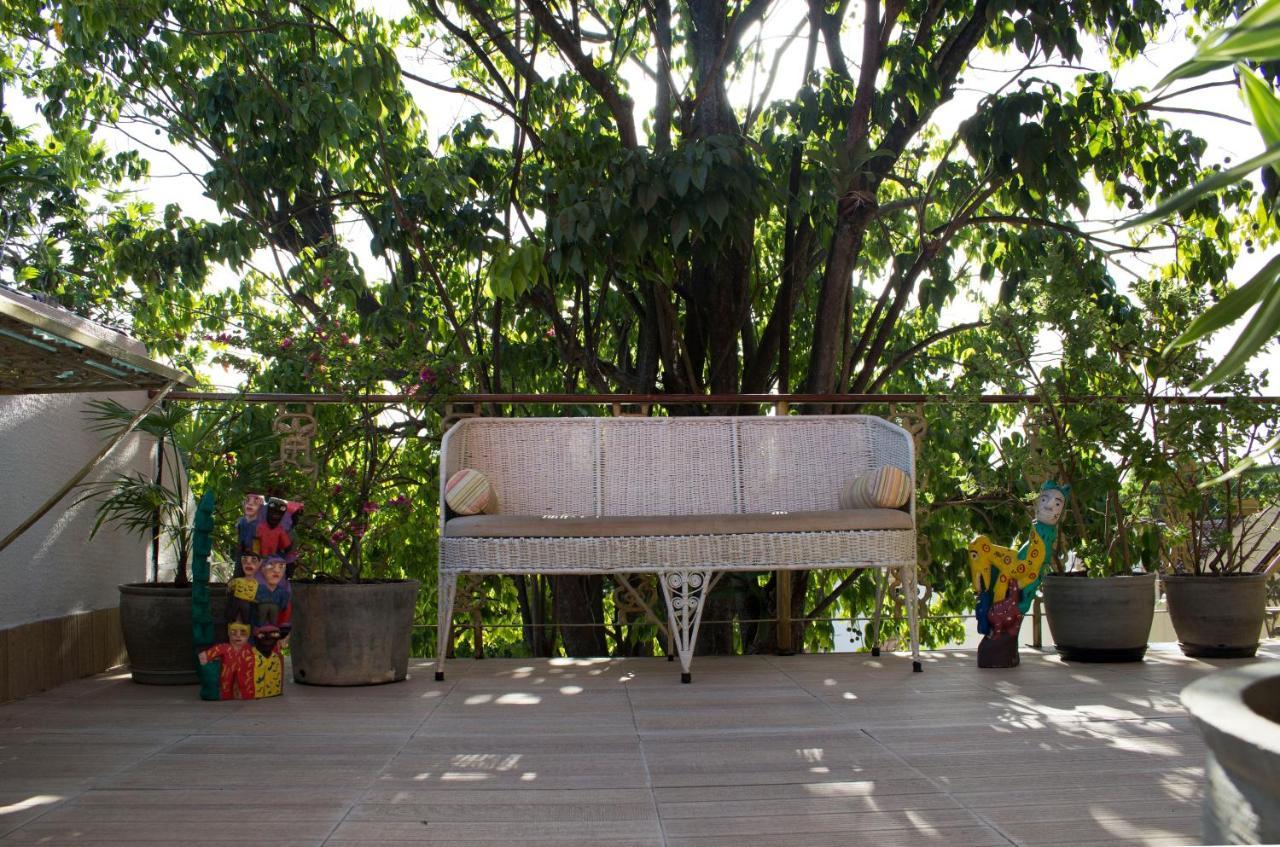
x,y
1237,711
352,633
1100,619
155,619
1217,617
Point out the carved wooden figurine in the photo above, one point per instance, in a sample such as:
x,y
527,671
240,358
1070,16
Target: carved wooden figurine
x,y
250,664
1006,580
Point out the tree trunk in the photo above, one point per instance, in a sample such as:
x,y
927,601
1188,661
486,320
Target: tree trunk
x,y
579,608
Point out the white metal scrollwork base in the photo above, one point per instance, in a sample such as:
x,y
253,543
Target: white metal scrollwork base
x,y
684,592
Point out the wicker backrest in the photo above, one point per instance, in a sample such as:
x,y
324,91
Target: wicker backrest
x,y
673,466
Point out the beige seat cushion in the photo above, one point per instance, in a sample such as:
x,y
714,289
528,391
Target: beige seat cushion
x,y
575,526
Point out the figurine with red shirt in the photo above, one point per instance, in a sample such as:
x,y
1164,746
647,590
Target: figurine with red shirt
x,y
272,537
237,664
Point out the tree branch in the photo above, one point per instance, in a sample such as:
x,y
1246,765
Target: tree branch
x,y
915,349
501,41
619,104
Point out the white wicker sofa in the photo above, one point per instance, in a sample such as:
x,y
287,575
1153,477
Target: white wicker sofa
x,y
686,498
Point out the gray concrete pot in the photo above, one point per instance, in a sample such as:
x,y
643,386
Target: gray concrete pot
x,y
1237,711
1217,617
155,619
1100,619
352,633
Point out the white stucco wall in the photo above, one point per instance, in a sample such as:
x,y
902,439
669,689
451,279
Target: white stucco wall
x,y
54,569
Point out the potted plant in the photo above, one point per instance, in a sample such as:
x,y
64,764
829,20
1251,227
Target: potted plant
x,y
352,616
1220,539
1099,595
155,616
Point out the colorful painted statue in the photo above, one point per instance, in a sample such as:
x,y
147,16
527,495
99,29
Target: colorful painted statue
x,y
242,591
249,665
268,662
247,526
236,665
273,598
272,538
999,572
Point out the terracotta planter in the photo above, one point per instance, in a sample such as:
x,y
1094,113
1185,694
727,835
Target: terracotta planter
x,y
1217,617
156,622
352,633
1237,712
1100,620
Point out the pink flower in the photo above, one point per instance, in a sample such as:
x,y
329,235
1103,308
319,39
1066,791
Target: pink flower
x,y
337,489
370,507
286,343
337,536
359,532
551,333
428,376
344,339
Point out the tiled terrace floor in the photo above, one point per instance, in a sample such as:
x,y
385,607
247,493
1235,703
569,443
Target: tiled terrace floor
x,y
803,750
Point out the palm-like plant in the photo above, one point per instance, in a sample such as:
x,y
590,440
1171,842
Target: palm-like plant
x,y
1254,39
163,505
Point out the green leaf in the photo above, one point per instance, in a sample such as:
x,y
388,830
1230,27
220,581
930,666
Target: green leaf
x,y
1263,104
679,228
718,207
1192,195
1231,307
1256,36
680,180
639,229
1245,463
1260,331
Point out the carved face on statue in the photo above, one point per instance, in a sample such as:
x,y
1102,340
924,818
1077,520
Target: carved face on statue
x,y
1049,507
249,563
252,507
238,634
273,571
265,638
275,511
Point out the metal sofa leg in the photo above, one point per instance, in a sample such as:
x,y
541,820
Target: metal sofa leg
x,y
684,591
448,590
913,614
882,578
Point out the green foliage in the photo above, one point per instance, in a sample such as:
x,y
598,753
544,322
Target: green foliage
x,y
531,228
197,451
1254,38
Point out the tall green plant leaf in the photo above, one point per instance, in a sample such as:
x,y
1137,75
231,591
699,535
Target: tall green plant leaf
x,y
1256,36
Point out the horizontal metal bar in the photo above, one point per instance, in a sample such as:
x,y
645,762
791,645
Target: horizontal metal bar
x,y
706,399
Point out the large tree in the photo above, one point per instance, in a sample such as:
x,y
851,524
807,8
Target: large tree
x,y
625,201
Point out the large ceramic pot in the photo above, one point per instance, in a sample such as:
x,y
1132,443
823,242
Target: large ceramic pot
x,y
1100,619
1217,617
155,619
1238,713
352,633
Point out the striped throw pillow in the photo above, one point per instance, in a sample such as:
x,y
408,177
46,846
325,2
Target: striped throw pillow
x,y
468,492
883,488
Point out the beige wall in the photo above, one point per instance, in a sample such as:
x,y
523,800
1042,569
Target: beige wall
x,y
58,590
54,570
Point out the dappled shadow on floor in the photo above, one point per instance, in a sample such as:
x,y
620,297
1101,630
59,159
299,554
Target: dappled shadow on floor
x,y
830,749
